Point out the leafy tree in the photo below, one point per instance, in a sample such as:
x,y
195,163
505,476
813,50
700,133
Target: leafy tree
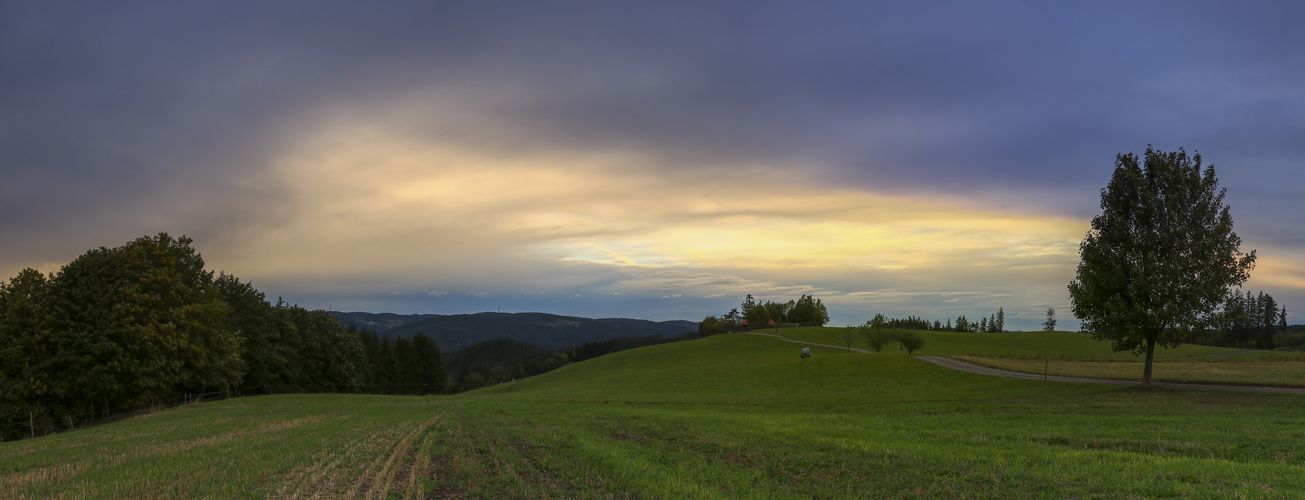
x,y
265,356
83,341
23,391
1161,256
808,310
712,325
849,334
911,341
777,311
875,338
1050,324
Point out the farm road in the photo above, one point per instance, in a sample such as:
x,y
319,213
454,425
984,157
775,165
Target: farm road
x,y
983,370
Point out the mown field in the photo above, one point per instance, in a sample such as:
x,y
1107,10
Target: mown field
x,y
731,416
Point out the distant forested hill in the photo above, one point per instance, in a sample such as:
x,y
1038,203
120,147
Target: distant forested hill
x,y
546,331
378,322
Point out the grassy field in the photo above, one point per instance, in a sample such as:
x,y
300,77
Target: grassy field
x,y
1018,345
724,417
1074,354
1278,372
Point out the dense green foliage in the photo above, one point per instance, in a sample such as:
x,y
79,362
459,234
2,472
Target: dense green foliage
x,y
145,322
401,366
1249,321
503,360
119,326
546,331
751,315
994,323
732,416
1161,257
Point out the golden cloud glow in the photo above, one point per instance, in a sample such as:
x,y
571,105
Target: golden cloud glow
x,y
366,204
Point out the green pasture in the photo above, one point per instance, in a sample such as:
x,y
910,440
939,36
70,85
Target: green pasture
x,y
1073,354
1030,345
731,416
1272,372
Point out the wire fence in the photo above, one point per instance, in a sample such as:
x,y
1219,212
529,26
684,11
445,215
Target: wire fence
x,y
44,426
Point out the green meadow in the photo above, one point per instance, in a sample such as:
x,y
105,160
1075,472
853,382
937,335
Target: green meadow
x,y
1073,354
1028,345
730,416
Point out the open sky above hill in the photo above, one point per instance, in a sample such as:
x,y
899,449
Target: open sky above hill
x,y
656,161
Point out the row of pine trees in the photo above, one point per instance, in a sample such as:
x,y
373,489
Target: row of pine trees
x,y
994,323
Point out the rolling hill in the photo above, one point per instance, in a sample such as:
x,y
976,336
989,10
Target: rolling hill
x,y
728,416
379,322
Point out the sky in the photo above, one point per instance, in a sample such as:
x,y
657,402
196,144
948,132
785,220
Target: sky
x,y
655,161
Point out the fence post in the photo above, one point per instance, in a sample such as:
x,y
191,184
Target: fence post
x,y
31,422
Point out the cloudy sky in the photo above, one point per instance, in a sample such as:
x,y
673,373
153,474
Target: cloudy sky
x,y
659,162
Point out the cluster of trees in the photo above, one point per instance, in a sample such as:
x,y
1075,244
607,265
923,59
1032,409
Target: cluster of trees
x,y
1248,320
401,366
145,322
876,337
500,360
751,314
503,360
994,323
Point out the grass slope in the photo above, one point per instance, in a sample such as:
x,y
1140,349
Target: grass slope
x,y
724,417
1034,345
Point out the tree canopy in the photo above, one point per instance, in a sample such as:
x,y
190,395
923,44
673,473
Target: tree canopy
x,y
146,321
1161,256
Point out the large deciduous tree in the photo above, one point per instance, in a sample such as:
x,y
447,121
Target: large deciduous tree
x,y
1160,258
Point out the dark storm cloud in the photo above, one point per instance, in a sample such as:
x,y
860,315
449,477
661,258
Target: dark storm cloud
x,y
117,118
909,93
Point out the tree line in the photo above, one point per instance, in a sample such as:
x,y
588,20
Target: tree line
x,y
145,322
1250,321
994,323
401,365
751,315
503,360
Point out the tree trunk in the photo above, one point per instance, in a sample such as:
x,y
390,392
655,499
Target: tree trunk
x,y
1150,355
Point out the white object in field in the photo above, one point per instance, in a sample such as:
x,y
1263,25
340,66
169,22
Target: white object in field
x,y
806,352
